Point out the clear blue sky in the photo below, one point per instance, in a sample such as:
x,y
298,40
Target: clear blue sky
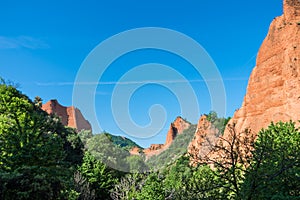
x,y
43,44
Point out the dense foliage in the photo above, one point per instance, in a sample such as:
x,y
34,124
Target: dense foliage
x,y
37,152
268,168
219,122
42,159
122,142
274,172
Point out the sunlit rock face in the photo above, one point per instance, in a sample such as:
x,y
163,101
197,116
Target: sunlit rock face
x,y
70,116
273,91
206,135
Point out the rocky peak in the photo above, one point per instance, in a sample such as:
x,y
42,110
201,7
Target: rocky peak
x,y
177,127
273,92
70,116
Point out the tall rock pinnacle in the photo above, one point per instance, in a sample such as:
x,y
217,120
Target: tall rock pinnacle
x,y
273,92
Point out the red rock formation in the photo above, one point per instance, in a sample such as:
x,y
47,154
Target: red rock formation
x,y
205,135
154,149
177,127
70,116
135,151
273,92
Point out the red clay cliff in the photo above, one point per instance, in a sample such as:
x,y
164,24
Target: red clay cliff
x,y
273,92
70,116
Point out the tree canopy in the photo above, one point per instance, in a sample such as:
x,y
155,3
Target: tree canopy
x,y
37,151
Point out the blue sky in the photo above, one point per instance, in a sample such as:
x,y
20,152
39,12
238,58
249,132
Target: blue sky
x,y
43,44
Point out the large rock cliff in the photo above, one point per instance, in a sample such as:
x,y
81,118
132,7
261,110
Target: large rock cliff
x,y
273,91
70,116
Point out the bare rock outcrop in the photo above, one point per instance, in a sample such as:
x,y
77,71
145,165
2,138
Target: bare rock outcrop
x,y
70,116
176,128
205,136
135,151
273,92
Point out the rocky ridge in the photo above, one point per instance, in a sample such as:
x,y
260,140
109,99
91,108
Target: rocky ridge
x,y
176,128
70,116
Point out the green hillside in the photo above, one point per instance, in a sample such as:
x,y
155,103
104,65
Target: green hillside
x,y
122,142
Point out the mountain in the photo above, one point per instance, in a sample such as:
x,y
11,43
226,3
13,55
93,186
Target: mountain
x,y
70,116
273,92
176,150
176,128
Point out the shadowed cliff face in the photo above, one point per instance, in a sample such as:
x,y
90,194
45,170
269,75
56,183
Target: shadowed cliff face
x,y
70,116
273,91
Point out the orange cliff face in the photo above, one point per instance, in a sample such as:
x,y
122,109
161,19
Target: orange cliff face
x,y
176,128
205,135
70,116
273,92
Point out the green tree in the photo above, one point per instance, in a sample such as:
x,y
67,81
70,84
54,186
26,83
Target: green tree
x,y
176,178
101,178
206,183
275,170
136,163
85,135
153,188
129,186
38,101
36,150
219,123
103,149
